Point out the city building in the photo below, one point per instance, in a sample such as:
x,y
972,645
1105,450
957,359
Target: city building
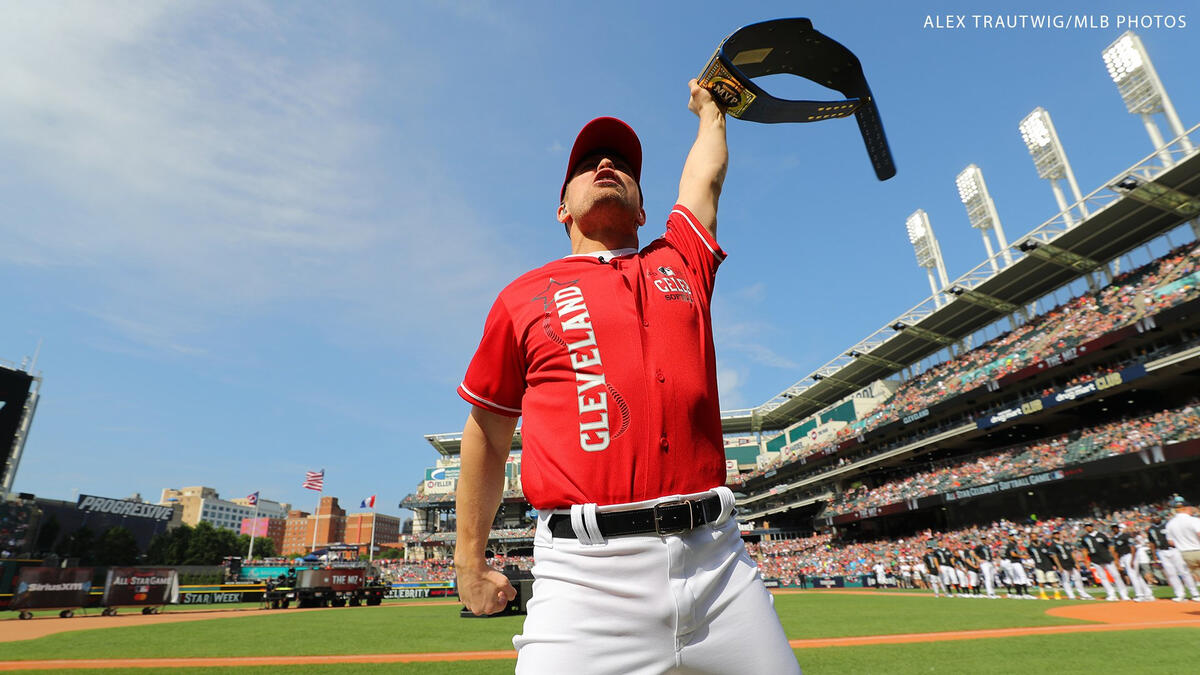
x,y
274,529
328,524
333,526
360,526
204,504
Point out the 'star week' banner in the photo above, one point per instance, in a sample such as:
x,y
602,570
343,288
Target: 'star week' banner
x,y
121,507
52,588
131,586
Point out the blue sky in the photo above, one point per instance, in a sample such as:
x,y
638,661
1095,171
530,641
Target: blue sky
x,y
257,239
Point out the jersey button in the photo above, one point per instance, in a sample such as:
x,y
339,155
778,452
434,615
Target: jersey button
x,y
658,375
645,323
664,443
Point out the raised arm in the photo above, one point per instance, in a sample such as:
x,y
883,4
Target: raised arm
x,y
704,170
484,450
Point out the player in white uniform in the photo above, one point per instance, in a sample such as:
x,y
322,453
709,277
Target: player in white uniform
x,y
1183,534
1174,570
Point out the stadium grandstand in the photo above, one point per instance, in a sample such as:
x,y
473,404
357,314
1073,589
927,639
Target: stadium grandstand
x,y
1057,377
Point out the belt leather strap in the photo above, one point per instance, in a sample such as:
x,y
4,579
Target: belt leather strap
x,y
662,519
794,47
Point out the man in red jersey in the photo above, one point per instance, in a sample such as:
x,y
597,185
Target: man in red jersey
x,y
608,355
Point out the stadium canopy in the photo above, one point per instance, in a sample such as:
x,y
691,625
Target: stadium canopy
x,y
1152,197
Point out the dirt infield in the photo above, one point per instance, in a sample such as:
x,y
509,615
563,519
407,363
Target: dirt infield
x,y
1109,616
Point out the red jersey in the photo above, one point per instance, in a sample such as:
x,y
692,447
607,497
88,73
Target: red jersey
x,y
611,364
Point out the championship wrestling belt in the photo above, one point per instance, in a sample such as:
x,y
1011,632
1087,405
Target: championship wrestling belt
x,y
792,46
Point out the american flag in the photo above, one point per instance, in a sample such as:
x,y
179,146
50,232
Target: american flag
x,y
315,480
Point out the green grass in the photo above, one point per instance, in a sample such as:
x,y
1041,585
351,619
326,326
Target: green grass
x,y
817,614
403,628
1145,651
1168,650
385,629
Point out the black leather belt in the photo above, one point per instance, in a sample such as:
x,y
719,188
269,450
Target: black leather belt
x,y
662,519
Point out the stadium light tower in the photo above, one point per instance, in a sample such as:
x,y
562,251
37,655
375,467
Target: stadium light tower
x,y
929,254
981,211
1130,68
1037,130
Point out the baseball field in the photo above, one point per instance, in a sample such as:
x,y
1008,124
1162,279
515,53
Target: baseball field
x,y
831,631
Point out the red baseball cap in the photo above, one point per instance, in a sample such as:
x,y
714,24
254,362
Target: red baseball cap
x,y
606,133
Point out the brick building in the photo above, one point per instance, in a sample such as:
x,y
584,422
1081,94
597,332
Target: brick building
x,y
333,526
274,529
359,525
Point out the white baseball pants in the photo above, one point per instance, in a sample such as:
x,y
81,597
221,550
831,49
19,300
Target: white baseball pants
x,y
1070,578
648,604
1106,571
1140,588
1176,571
989,576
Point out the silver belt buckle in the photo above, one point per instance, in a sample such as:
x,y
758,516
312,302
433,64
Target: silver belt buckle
x,y
658,517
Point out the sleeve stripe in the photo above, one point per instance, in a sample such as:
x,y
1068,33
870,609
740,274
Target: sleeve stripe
x,y
487,403
703,234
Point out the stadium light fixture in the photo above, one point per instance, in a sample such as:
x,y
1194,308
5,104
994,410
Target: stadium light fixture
x,y
929,254
1037,130
1130,68
981,211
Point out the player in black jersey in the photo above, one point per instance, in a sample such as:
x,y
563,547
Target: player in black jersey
x,y
1103,559
1068,571
987,566
1043,563
1123,546
1013,563
933,570
946,569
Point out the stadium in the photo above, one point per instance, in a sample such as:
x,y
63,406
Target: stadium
x,y
909,492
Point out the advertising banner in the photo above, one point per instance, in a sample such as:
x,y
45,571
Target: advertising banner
x,y
52,588
442,472
410,591
218,597
338,580
440,487
128,586
255,526
121,507
1072,393
829,582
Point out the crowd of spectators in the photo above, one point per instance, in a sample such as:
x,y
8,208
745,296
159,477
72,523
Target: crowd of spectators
x,y
1107,440
15,522
1152,288
792,561
441,570
1163,283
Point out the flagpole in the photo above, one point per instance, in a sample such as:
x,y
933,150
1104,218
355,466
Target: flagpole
x,y
317,520
371,549
253,529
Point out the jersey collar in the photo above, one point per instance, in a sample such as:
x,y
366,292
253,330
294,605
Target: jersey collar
x,y
603,256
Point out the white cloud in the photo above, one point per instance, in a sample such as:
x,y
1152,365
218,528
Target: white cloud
x,y
201,164
729,382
